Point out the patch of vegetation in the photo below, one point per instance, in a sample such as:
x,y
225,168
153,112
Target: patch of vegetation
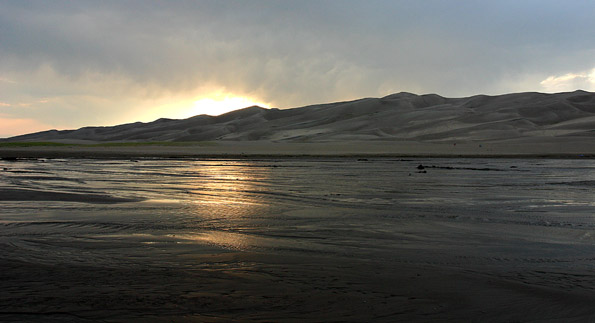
x,y
32,144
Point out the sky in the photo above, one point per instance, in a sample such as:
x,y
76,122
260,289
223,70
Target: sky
x,y
69,64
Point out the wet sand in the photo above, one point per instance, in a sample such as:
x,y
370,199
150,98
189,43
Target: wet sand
x,y
240,287
35,195
286,240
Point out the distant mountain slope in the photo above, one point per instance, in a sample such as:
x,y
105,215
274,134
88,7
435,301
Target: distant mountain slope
x,y
401,116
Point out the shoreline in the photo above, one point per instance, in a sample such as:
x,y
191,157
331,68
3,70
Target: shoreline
x,y
28,156
583,149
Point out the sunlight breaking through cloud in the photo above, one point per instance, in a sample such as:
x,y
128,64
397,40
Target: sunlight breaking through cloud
x,y
222,103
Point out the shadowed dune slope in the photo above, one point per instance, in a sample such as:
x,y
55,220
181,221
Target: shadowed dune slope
x,y
401,116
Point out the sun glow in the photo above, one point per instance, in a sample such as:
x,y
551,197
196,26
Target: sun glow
x,y
211,103
222,103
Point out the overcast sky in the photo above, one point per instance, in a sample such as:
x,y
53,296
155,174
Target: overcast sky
x,y
68,64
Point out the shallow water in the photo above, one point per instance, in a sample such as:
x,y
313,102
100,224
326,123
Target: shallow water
x,y
522,221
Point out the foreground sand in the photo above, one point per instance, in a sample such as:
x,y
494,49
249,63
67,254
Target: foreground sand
x,y
240,287
533,147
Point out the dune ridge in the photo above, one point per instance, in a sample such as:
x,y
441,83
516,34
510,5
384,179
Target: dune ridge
x,y
396,117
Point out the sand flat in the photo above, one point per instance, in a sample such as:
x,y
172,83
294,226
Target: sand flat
x,y
527,147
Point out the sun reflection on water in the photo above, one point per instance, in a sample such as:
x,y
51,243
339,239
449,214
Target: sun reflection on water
x,y
230,182
227,199
227,240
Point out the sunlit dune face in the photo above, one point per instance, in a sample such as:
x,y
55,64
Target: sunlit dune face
x,y
219,104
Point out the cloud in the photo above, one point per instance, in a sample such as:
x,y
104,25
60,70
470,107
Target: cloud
x,y
5,80
570,82
104,62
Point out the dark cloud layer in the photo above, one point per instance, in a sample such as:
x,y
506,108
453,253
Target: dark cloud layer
x,y
95,59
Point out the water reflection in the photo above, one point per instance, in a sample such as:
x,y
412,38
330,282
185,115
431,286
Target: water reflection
x,y
226,240
226,200
230,182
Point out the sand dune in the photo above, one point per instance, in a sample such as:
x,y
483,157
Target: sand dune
x,y
401,116
519,124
